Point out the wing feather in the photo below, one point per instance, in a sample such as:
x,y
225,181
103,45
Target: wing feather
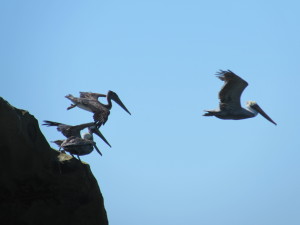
x,y
91,95
232,90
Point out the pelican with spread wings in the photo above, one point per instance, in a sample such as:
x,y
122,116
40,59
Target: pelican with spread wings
x,y
74,131
230,104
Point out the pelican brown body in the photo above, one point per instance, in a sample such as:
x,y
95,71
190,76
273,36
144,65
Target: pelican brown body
x,y
78,146
230,105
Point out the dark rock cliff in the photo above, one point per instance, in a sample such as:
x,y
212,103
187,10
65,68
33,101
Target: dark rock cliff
x,y
38,185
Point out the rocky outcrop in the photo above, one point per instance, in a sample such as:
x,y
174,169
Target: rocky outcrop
x,y
38,185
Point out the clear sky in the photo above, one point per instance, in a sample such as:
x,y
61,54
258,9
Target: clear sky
x,y
168,164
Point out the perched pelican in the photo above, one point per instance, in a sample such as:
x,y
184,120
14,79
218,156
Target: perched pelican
x,y
78,146
74,131
89,101
230,105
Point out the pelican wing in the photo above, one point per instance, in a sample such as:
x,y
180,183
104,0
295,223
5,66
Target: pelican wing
x,y
68,130
100,112
63,128
90,104
76,129
101,117
231,92
91,95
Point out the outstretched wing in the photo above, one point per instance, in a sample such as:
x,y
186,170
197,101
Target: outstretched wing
x,y
77,128
68,130
101,117
63,128
91,95
232,90
87,104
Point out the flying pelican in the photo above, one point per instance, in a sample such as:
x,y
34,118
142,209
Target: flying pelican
x,y
78,146
74,131
89,101
230,105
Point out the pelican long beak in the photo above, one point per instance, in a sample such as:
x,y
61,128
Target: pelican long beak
x,y
97,149
97,131
120,103
261,112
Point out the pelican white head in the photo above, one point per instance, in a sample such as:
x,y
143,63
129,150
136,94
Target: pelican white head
x,y
255,108
251,107
87,136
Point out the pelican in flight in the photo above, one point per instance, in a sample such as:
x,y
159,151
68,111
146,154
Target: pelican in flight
x,y
74,131
230,105
78,146
89,101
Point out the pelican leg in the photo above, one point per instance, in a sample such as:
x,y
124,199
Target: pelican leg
x,y
71,106
59,167
79,159
62,151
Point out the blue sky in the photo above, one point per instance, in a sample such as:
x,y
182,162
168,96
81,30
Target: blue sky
x,y
168,164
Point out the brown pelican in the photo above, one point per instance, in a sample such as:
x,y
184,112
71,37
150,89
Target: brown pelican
x,y
74,131
230,105
88,101
78,146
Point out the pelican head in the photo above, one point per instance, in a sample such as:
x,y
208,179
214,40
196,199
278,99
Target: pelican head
x,y
87,136
113,96
255,108
95,130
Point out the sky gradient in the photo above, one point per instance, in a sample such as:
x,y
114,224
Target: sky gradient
x,y
168,164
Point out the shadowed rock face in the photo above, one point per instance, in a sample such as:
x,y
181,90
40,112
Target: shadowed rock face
x,y
38,185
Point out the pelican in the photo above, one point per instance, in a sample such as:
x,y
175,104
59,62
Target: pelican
x,y
74,131
78,146
230,105
89,101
